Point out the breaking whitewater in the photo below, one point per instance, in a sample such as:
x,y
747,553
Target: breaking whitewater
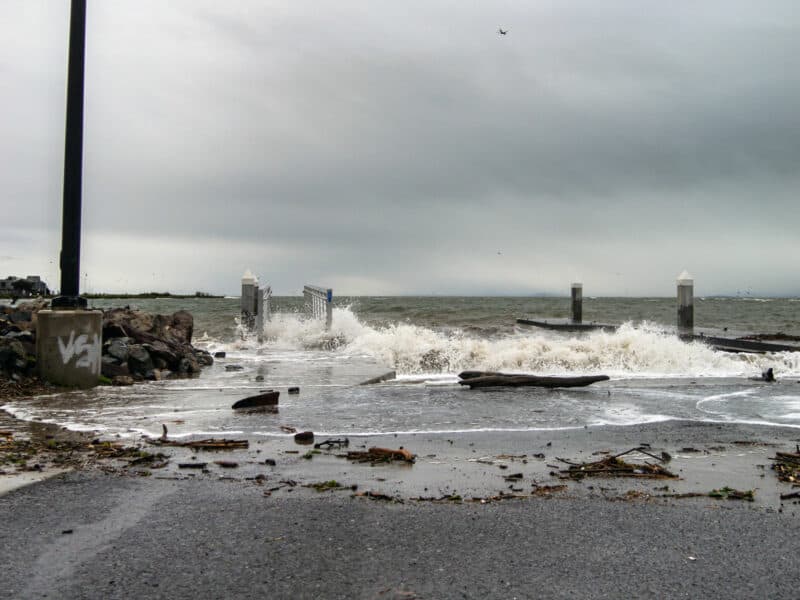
x,y
427,342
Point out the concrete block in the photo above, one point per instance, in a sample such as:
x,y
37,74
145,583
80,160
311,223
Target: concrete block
x,y
69,347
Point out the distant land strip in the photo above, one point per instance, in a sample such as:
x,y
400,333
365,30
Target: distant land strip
x,y
151,295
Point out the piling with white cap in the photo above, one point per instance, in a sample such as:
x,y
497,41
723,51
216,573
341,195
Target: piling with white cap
x,y
685,303
577,302
249,304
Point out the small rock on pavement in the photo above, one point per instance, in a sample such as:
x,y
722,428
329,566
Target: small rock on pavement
x,y
219,354
304,437
294,390
233,367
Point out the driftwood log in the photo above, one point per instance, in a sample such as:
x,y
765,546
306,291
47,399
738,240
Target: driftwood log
x,y
267,398
479,379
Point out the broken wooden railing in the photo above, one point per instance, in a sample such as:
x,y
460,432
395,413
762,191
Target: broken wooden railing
x,y
318,303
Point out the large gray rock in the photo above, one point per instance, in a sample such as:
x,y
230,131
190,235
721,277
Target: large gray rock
x,y
12,355
111,367
139,360
159,350
118,348
188,366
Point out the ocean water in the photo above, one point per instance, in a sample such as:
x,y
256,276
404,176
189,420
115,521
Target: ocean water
x,y
427,341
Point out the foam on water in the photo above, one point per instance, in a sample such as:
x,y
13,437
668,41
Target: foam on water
x,y
654,377
630,351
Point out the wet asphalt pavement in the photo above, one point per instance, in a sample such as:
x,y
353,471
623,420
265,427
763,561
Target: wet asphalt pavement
x,y
92,535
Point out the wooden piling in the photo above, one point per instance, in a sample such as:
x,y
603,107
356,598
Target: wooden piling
x,y
685,303
577,302
249,302
328,308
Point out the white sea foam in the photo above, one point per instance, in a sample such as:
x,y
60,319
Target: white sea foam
x,y
631,351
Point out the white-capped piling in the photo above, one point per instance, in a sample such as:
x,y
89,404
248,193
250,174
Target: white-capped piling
x,y
577,302
685,303
249,303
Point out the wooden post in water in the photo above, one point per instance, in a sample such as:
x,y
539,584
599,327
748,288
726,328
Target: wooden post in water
x,y
577,302
249,304
263,312
328,308
685,303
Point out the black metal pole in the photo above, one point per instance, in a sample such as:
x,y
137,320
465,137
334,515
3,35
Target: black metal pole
x,y
73,164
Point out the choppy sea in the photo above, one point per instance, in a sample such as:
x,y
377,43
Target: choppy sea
x,y
428,340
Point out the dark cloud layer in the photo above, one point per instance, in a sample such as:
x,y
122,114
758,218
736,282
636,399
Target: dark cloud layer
x,y
398,147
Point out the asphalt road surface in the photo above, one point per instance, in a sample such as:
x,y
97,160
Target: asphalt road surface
x,y
100,536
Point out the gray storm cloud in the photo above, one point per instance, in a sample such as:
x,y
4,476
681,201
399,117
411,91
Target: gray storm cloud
x,y
407,148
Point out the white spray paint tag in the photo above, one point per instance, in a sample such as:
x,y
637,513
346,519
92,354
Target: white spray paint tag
x,y
88,353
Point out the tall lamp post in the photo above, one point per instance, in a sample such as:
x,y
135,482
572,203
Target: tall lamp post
x,y
69,338
73,165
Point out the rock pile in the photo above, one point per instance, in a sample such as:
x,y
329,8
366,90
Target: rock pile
x,y
144,346
18,339
136,345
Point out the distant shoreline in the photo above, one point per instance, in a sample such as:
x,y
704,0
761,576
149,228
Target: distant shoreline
x,y
150,295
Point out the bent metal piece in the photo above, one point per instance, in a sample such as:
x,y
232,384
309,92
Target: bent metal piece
x,y
500,379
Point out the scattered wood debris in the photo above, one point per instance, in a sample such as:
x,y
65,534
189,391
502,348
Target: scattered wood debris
x,y
613,466
498,498
378,496
288,429
227,464
728,493
378,455
153,461
546,490
323,486
454,497
333,443
208,444
787,466
72,450
192,465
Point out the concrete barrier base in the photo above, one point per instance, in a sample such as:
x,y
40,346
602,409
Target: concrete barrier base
x,y
69,346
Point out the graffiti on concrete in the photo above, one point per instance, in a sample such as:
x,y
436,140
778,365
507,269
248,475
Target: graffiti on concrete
x,y
88,352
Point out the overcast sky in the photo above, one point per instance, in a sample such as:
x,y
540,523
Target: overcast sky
x,y
404,147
